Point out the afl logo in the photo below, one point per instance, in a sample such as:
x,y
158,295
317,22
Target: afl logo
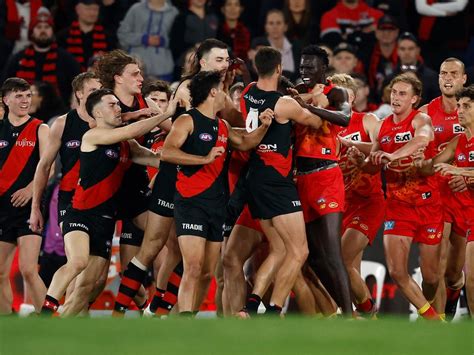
x,y
112,153
73,144
206,137
461,157
385,139
3,144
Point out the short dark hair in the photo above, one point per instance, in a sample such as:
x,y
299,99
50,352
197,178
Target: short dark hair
x,y
267,60
204,48
156,85
239,86
14,84
284,85
111,64
79,81
316,51
94,98
201,85
466,92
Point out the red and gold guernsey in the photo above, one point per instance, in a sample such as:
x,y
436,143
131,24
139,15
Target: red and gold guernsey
x,y
100,177
357,184
19,156
404,182
446,125
318,143
464,158
204,181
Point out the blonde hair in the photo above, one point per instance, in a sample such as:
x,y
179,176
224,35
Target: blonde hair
x,y
344,80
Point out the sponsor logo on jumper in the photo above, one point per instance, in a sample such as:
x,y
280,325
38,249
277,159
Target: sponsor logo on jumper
x,y
254,100
385,139
426,195
25,143
222,138
389,225
457,128
3,144
326,151
165,204
471,156
113,154
215,128
264,148
356,136
403,137
450,118
73,144
438,129
206,137
296,203
78,225
195,227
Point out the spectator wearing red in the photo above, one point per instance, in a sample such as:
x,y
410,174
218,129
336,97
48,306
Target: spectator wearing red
x,y
85,37
232,31
348,21
42,60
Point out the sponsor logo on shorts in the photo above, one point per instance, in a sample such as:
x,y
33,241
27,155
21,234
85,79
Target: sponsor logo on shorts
x,y
385,139
265,148
364,226
333,205
403,137
206,137
471,156
73,144
426,195
468,232
326,151
62,212
113,154
296,203
126,236
25,143
3,144
322,203
227,228
431,230
194,227
389,225
457,128
438,129
165,204
78,225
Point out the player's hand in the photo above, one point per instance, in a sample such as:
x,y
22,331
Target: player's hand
x,y
21,197
296,96
447,169
266,117
355,156
36,220
380,157
320,100
457,184
345,142
156,110
229,79
419,157
214,153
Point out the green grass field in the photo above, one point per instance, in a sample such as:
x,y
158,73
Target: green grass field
x,y
257,336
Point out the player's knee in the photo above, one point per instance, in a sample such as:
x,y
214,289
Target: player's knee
x,y
77,265
230,262
298,255
206,276
193,270
28,272
4,275
470,279
400,276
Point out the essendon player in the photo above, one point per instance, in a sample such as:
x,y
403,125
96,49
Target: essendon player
x,y
460,152
414,211
22,143
442,111
65,138
106,152
319,178
198,142
364,200
273,198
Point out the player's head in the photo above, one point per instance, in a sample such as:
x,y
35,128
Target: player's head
x,y
313,65
284,84
83,84
452,76
118,69
207,85
212,54
16,96
405,93
235,92
347,82
104,107
465,99
159,91
268,63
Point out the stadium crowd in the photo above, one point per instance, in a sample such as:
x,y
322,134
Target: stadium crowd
x,y
263,143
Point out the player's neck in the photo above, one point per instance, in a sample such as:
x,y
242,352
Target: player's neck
x,y
267,84
397,118
207,109
17,120
82,112
124,95
449,104
360,106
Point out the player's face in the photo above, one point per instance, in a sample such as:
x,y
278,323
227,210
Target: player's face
x,y
131,79
88,14
466,112
18,102
89,87
408,52
232,10
109,111
312,70
160,98
275,26
402,98
344,62
216,59
451,78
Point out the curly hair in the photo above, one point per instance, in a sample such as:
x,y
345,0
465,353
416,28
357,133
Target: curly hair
x,y
111,64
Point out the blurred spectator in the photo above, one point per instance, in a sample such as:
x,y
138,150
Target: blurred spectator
x,y
361,101
344,59
410,61
299,18
381,54
45,102
192,26
43,60
394,8
385,109
255,45
85,37
275,27
348,21
235,92
232,31
329,52
145,32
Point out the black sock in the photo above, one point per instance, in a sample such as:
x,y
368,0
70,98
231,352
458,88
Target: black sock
x,y
273,309
253,301
50,305
155,302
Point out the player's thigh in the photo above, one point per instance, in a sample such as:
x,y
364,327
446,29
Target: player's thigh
x,y
397,249
353,243
292,230
7,252
76,244
241,244
28,251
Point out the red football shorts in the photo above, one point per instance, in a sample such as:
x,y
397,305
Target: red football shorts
x,y
459,215
321,193
422,223
365,215
245,219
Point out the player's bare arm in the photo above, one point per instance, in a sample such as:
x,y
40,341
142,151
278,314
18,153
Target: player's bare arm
x,y
288,109
144,156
